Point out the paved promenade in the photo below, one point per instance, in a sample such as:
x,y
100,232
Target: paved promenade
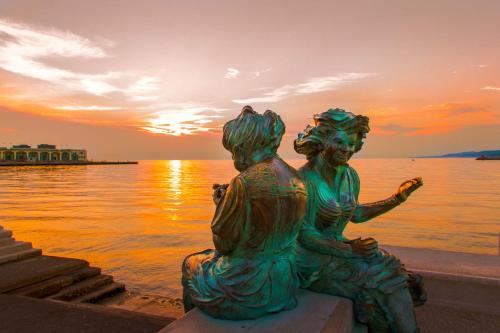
x,y
29,315
456,263
463,289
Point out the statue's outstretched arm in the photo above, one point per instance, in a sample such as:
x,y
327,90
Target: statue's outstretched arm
x,y
366,212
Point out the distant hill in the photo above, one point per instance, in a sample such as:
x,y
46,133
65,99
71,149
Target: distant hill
x,y
467,154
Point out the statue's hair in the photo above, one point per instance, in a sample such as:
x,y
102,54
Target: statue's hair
x,y
251,131
310,141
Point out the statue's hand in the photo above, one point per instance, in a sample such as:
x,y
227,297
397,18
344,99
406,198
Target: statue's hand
x,y
219,192
406,188
365,247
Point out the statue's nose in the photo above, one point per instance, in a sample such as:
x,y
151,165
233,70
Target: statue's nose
x,y
344,148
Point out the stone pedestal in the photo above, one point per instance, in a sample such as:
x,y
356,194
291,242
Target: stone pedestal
x,y
315,313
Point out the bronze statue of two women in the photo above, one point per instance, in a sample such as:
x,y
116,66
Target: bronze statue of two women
x,y
276,229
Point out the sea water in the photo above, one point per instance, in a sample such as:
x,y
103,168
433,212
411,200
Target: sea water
x,y
138,222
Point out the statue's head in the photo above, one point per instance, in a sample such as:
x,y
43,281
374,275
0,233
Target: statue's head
x,y
251,137
336,136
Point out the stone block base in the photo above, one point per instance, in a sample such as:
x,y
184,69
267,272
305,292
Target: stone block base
x,y
315,313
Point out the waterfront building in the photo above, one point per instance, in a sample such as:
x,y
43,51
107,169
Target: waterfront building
x,y
43,152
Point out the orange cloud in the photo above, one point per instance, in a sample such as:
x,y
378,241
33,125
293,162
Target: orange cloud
x,y
111,98
431,119
7,130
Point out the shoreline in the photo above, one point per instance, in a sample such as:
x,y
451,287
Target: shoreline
x,y
147,303
446,274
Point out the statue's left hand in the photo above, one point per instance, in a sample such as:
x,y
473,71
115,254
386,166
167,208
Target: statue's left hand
x,y
219,191
406,188
366,247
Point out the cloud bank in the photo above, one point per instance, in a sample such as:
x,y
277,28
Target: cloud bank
x,y
313,85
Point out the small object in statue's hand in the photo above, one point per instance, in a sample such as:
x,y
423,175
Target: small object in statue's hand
x,y
217,186
219,192
407,187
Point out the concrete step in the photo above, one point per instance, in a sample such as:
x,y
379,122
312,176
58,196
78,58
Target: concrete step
x,y
82,288
22,273
5,233
27,315
56,284
14,248
21,255
6,241
106,291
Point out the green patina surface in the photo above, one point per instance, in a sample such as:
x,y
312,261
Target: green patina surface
x,y
383,291
252,270
270,237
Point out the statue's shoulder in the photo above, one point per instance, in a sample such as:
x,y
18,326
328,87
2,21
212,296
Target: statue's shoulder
x,y
307,172
270,175
257,175
283,167
268,168
254,170
353,172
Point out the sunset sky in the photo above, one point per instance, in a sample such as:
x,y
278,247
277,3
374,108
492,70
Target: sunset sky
x,y
158,79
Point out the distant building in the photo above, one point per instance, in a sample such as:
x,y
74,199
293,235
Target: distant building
x,y
43,152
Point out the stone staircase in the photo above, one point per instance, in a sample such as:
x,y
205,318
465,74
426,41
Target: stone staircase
x,y
24,271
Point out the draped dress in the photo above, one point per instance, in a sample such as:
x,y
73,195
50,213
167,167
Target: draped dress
x,y
252,271
366,281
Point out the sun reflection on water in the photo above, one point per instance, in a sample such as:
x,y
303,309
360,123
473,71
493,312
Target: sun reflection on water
x,y
173,177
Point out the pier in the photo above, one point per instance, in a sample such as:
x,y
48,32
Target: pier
x,y
58,163
47,155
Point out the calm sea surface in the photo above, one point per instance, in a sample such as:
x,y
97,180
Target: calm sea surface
x,y
138,222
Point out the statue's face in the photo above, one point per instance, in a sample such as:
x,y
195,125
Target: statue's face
x,y
339,147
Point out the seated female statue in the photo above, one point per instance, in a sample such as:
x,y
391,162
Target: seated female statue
x,y
252,270
382,290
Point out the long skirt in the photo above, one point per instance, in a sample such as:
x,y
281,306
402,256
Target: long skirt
x,y
239,288
366,281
